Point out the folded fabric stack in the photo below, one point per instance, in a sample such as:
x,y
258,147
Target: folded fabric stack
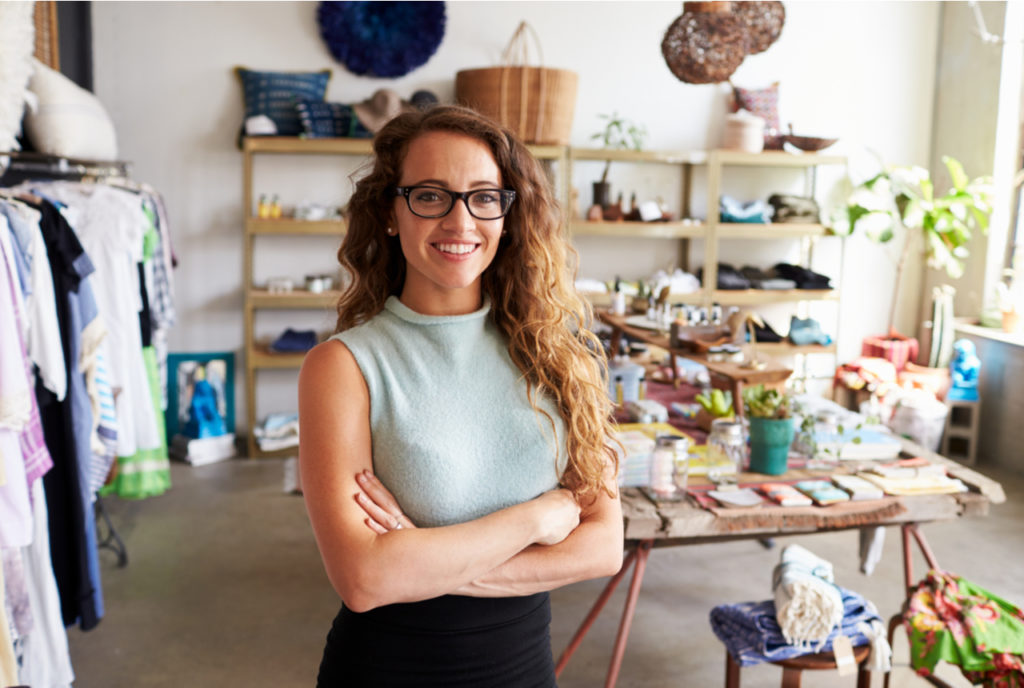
x,y
807,602
731,210
907,480
788,208
751,633
279,431
635,464
728,277
762,279
294,341
804,278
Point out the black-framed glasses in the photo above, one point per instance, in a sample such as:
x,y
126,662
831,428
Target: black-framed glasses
x,y
434,201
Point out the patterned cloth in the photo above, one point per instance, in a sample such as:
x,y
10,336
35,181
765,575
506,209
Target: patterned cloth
x,y
954,620
752,635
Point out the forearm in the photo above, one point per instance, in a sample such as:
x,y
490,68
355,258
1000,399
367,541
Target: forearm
x,y
416,564
593,550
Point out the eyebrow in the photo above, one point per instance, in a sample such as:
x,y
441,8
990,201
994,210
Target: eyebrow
x,y
487,184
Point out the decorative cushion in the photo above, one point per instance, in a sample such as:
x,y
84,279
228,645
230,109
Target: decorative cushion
x,y
325,120
275,95
68,120
763,102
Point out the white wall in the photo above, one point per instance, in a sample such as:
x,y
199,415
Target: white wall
x,y
863,71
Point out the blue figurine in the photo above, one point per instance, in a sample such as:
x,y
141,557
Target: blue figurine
x,y
203,418
964,368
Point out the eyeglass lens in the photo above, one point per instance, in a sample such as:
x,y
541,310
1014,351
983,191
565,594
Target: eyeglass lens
x,y
484,204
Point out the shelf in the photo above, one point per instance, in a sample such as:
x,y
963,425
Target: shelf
x,y
652,230
667,157
257,453
739,297
777,230
296,145
543,152
604,299
297,299
263,357
785,348
776,159
255,225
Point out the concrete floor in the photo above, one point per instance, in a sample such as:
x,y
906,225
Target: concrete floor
x,y
224,588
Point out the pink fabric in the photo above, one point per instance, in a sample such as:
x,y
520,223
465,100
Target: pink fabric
x,y
897,351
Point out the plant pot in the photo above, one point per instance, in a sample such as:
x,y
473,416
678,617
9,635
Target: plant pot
x,y
602,194
769,444
704,419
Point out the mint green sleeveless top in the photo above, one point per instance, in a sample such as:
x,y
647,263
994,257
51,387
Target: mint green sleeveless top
x,y
454,435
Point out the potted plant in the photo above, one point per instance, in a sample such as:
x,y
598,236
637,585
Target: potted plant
x,y
717,404
618,133
770,414
904,197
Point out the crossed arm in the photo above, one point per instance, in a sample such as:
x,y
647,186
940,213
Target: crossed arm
x,y
530,547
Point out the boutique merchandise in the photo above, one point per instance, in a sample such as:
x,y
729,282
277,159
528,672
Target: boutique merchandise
x,y
86,299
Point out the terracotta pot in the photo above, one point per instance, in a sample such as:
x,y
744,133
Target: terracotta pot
x,y
1011,322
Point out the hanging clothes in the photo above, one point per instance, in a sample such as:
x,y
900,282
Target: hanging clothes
x,y
71,520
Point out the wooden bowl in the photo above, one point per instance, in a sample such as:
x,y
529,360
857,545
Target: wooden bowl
x,y
809,144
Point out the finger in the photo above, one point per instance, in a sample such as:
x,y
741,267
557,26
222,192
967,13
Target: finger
x,y
375,512
375,527
375,489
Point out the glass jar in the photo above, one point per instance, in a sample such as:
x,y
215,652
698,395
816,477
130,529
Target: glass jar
x,y
670,467
727,448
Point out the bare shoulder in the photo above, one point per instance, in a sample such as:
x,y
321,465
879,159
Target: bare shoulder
x,y
333,403
329,361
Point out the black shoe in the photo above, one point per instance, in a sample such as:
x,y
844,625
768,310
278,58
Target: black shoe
x,y
804,278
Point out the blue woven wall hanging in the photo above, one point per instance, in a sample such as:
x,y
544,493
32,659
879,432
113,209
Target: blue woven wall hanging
x,y
382,39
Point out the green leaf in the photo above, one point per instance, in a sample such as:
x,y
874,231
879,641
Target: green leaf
x,y
956,172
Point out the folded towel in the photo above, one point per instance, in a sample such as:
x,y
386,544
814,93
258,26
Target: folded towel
x,y
751,633
807,601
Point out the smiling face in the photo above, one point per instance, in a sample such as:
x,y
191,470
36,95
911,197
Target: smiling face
x,y
445,256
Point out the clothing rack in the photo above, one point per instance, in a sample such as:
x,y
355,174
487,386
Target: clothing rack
x,y
18,166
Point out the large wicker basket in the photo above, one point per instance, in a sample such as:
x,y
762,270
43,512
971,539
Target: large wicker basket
x,y
536,103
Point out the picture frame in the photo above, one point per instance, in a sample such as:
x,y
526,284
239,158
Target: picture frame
x,y
182,368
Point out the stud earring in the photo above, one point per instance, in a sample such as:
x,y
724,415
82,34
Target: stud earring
x,y
390,231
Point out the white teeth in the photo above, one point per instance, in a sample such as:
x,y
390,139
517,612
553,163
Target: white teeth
x,y
457,249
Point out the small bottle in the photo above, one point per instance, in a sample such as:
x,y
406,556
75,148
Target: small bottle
x,y
263,208
619,394
641,392
275,208
670,465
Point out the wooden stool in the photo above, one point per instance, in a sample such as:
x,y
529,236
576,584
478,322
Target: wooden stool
x,y
791,668
960,439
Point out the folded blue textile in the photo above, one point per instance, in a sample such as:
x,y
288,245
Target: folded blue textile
x,y
756,212
294,341
752,635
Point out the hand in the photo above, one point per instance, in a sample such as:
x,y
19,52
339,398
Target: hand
x,y
559,516
382,509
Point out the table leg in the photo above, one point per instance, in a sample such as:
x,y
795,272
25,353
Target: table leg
x,y
643,551
595,611
616,342
737,399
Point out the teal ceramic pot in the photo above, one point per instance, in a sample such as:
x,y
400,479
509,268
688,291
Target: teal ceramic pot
x,y
769,444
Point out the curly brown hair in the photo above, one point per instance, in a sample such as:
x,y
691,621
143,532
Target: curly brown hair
x,y
534,302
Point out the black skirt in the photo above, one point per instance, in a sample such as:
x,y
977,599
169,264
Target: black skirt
x,y
447,642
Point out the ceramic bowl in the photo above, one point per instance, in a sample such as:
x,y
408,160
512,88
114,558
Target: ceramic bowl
x,y
808,143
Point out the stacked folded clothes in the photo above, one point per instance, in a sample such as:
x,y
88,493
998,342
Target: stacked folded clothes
x,y
789,208
728,277
804,278
751,633
294,341
762,279
279,431
731,210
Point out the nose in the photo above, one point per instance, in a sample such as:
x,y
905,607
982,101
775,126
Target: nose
x,y
458,218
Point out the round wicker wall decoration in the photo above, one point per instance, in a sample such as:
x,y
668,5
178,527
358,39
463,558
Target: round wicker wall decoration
x,y
381,39
710,40
705,47
763,21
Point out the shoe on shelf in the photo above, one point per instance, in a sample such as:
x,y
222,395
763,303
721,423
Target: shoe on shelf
x,y
760,279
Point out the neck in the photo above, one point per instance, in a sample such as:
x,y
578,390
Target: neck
x,y
455,302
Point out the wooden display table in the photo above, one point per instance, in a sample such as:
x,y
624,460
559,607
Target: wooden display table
x,y
724,375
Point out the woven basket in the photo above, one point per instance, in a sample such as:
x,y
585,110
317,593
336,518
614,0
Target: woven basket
x,y
536,103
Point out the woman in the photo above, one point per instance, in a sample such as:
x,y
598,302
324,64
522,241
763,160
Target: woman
x,y
454,432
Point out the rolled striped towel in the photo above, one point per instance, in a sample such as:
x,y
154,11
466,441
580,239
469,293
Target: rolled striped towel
x,y
808,605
